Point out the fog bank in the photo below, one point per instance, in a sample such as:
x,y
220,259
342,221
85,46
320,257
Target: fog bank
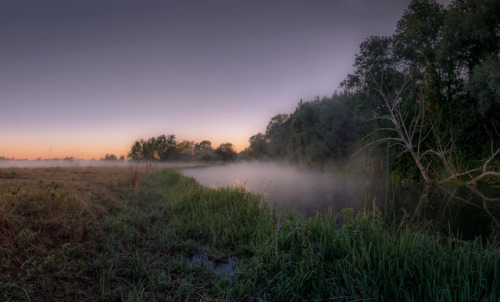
x,y
285,185
71,163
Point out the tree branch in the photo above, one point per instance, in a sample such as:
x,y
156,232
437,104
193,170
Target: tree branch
x,y
485,171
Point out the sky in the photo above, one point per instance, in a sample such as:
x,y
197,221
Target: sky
x,y
86,78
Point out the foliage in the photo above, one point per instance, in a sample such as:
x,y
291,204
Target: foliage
x,y
439,68
166,148
257,148
319,131
226,152
110,157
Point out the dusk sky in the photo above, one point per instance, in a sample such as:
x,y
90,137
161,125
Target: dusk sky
x,y
86,78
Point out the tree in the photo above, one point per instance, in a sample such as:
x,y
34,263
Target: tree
x,y
258,146
471,33
484,85
470,39
276,135
226,152
408,129
185,150
203,146
431,88
416,42
165,148
275,122
142,150
159,148
110,157
321,131
136,151
412,134
149,149
203,151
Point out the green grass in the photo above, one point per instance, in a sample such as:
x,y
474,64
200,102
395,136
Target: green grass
x,y
280,256
168,238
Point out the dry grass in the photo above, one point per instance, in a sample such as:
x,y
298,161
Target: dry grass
x,y
47,214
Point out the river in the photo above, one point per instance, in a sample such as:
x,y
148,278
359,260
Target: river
x,y
464,211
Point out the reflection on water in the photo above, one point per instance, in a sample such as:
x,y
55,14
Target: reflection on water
x,y
466,211
469,212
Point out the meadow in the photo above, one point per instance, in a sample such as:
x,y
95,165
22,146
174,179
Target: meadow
x,y
144,234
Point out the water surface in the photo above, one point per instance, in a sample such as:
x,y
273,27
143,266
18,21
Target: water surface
x,y
466,212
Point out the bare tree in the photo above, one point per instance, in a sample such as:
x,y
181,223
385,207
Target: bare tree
x,y
414,134
485,168
409,130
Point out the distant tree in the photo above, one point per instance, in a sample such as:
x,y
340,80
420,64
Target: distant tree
x,y
203,146
257,148
185,150
208,157
277,135
109,157
136,151
165,147
185,145
203,151
275,122
148,149
226,152
144,150
122,158
321,131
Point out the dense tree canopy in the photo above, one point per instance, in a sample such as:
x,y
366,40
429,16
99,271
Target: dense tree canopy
x,y
317,132
433,84
431,91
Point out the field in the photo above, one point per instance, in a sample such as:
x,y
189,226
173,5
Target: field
x,y
50,223
144,234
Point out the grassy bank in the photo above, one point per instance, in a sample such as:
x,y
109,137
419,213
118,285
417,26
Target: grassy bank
x,y
162,237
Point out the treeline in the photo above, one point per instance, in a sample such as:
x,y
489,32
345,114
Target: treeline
x,y
317,132
429,95
427,99
166,148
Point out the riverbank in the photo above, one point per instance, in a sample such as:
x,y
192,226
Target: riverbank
x,y
154,235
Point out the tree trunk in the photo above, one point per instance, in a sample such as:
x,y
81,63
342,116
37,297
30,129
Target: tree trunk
x,y
423,171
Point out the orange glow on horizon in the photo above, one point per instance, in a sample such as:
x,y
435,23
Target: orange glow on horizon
x,y
87,150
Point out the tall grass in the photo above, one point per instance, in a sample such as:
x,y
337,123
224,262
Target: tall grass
x,y
168,238
284,256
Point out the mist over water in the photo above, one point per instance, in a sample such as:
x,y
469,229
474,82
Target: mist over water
x,y
470,212
303,190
